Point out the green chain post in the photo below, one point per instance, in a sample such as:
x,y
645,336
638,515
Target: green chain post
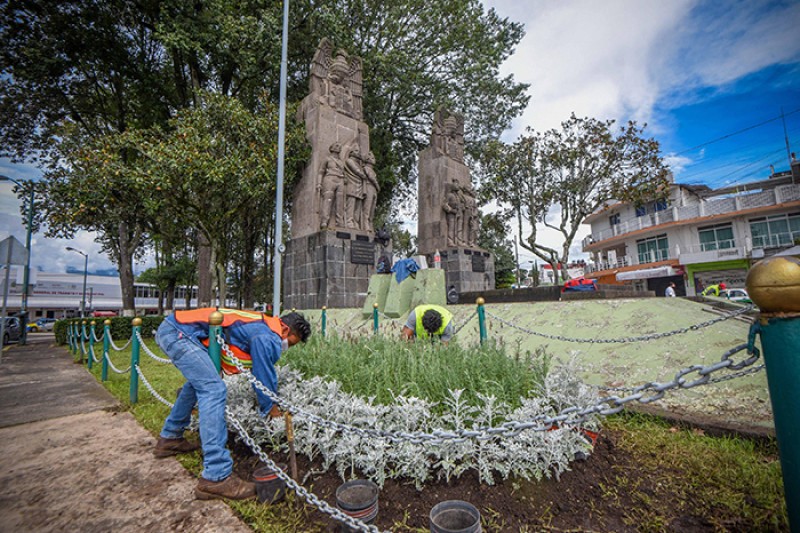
x,y
214,329
90,358
481,319
106,347
83,339
134,390
324,319
70,338
375,317
774,285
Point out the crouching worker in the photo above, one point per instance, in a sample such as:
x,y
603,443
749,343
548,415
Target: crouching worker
x,y
257,341
429,321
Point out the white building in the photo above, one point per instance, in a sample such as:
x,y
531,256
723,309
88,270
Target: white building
x,y
58,295
697,237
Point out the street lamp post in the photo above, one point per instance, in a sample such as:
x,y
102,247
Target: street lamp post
x,y
85,271
26,272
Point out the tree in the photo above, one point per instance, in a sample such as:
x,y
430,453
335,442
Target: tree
x,y
493,237
558,178
213,170
417,55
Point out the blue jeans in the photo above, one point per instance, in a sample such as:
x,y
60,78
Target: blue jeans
x,y
205,387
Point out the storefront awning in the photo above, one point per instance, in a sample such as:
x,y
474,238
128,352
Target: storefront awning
x,y
647,273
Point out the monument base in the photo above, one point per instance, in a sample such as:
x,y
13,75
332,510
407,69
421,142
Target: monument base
x,y
466,269
329,268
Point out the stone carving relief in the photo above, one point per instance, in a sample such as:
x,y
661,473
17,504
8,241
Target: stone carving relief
x,y
348,188
336,79
447,136
461,214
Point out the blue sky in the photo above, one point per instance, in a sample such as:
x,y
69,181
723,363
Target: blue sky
x,y
694,71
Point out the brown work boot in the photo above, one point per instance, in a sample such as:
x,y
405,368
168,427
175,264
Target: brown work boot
x,y
231,488
168,447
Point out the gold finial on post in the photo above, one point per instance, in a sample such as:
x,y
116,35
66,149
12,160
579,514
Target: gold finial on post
x,y
215,318
107,322
774,284
136,322
480,300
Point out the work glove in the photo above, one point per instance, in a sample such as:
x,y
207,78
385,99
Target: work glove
x,y
275,412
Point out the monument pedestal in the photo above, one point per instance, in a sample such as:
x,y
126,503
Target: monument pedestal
x,y
329,268
466,269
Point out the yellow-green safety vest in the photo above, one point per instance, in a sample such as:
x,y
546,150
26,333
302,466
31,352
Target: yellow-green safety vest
x,y
420,310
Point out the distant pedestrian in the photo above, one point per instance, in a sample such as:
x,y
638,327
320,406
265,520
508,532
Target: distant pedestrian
x,y
670,292
429,321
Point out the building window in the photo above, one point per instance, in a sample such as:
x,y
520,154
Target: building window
x,y
614,219
660,205
778,230
653,249
641,211
719,237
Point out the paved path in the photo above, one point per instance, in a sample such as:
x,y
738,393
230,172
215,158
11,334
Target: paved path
x,y
69,461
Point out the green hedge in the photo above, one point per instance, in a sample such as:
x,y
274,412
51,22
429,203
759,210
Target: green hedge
x,y
121,328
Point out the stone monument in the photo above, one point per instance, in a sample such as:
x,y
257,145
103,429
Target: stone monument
x,y
448,209
333,249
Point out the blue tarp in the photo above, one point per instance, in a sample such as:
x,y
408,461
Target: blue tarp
x,y
404,268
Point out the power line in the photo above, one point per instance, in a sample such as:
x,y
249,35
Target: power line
x,y
779,117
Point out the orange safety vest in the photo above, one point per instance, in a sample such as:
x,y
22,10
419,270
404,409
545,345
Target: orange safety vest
x,y
230,317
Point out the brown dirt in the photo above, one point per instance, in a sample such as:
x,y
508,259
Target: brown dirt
x,y
589,497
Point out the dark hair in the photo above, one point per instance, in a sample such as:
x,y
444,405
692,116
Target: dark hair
x,y
298,324
432,321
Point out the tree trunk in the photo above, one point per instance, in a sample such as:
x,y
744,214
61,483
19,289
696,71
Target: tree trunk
x,y
205,289
125,265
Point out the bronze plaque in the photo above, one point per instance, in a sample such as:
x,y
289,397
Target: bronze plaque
x,y
362,253
478,263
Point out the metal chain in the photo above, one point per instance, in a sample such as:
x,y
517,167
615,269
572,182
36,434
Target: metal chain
x,y
94,335
312,499
94,357
115,369
114,346
473,315
575,415
151,389
149,352
720,379
648,337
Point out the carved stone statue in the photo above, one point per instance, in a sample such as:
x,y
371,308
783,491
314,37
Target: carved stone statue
x,y
470,219
332,188
371,189
447,136
354,186
452,209
336,79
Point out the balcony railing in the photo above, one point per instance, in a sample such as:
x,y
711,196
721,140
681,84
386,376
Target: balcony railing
x,y
719,206
775,239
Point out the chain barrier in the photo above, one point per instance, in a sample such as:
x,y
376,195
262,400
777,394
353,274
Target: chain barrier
x,y
114,346
312,499
94,357
115,369
147,350
648,337
574,415
473,315
720,379
149,387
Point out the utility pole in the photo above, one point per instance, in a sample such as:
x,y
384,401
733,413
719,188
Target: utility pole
x,y
516,252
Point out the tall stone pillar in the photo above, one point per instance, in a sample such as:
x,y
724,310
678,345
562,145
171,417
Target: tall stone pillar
x,y
448,209
333,250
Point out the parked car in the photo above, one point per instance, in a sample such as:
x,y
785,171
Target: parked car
x,y
736,295
43,324
12,331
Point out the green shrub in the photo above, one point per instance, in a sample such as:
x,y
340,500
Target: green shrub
x,y
121,327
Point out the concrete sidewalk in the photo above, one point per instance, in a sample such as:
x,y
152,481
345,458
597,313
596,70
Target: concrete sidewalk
x,y
69,460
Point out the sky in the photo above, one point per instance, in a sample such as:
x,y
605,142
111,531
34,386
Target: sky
x,y
709,78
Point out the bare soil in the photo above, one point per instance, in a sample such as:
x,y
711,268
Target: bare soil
x,y
589,497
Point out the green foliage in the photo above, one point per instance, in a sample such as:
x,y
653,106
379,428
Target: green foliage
x,y
492,237
729,478
382,368
557,178
121,327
